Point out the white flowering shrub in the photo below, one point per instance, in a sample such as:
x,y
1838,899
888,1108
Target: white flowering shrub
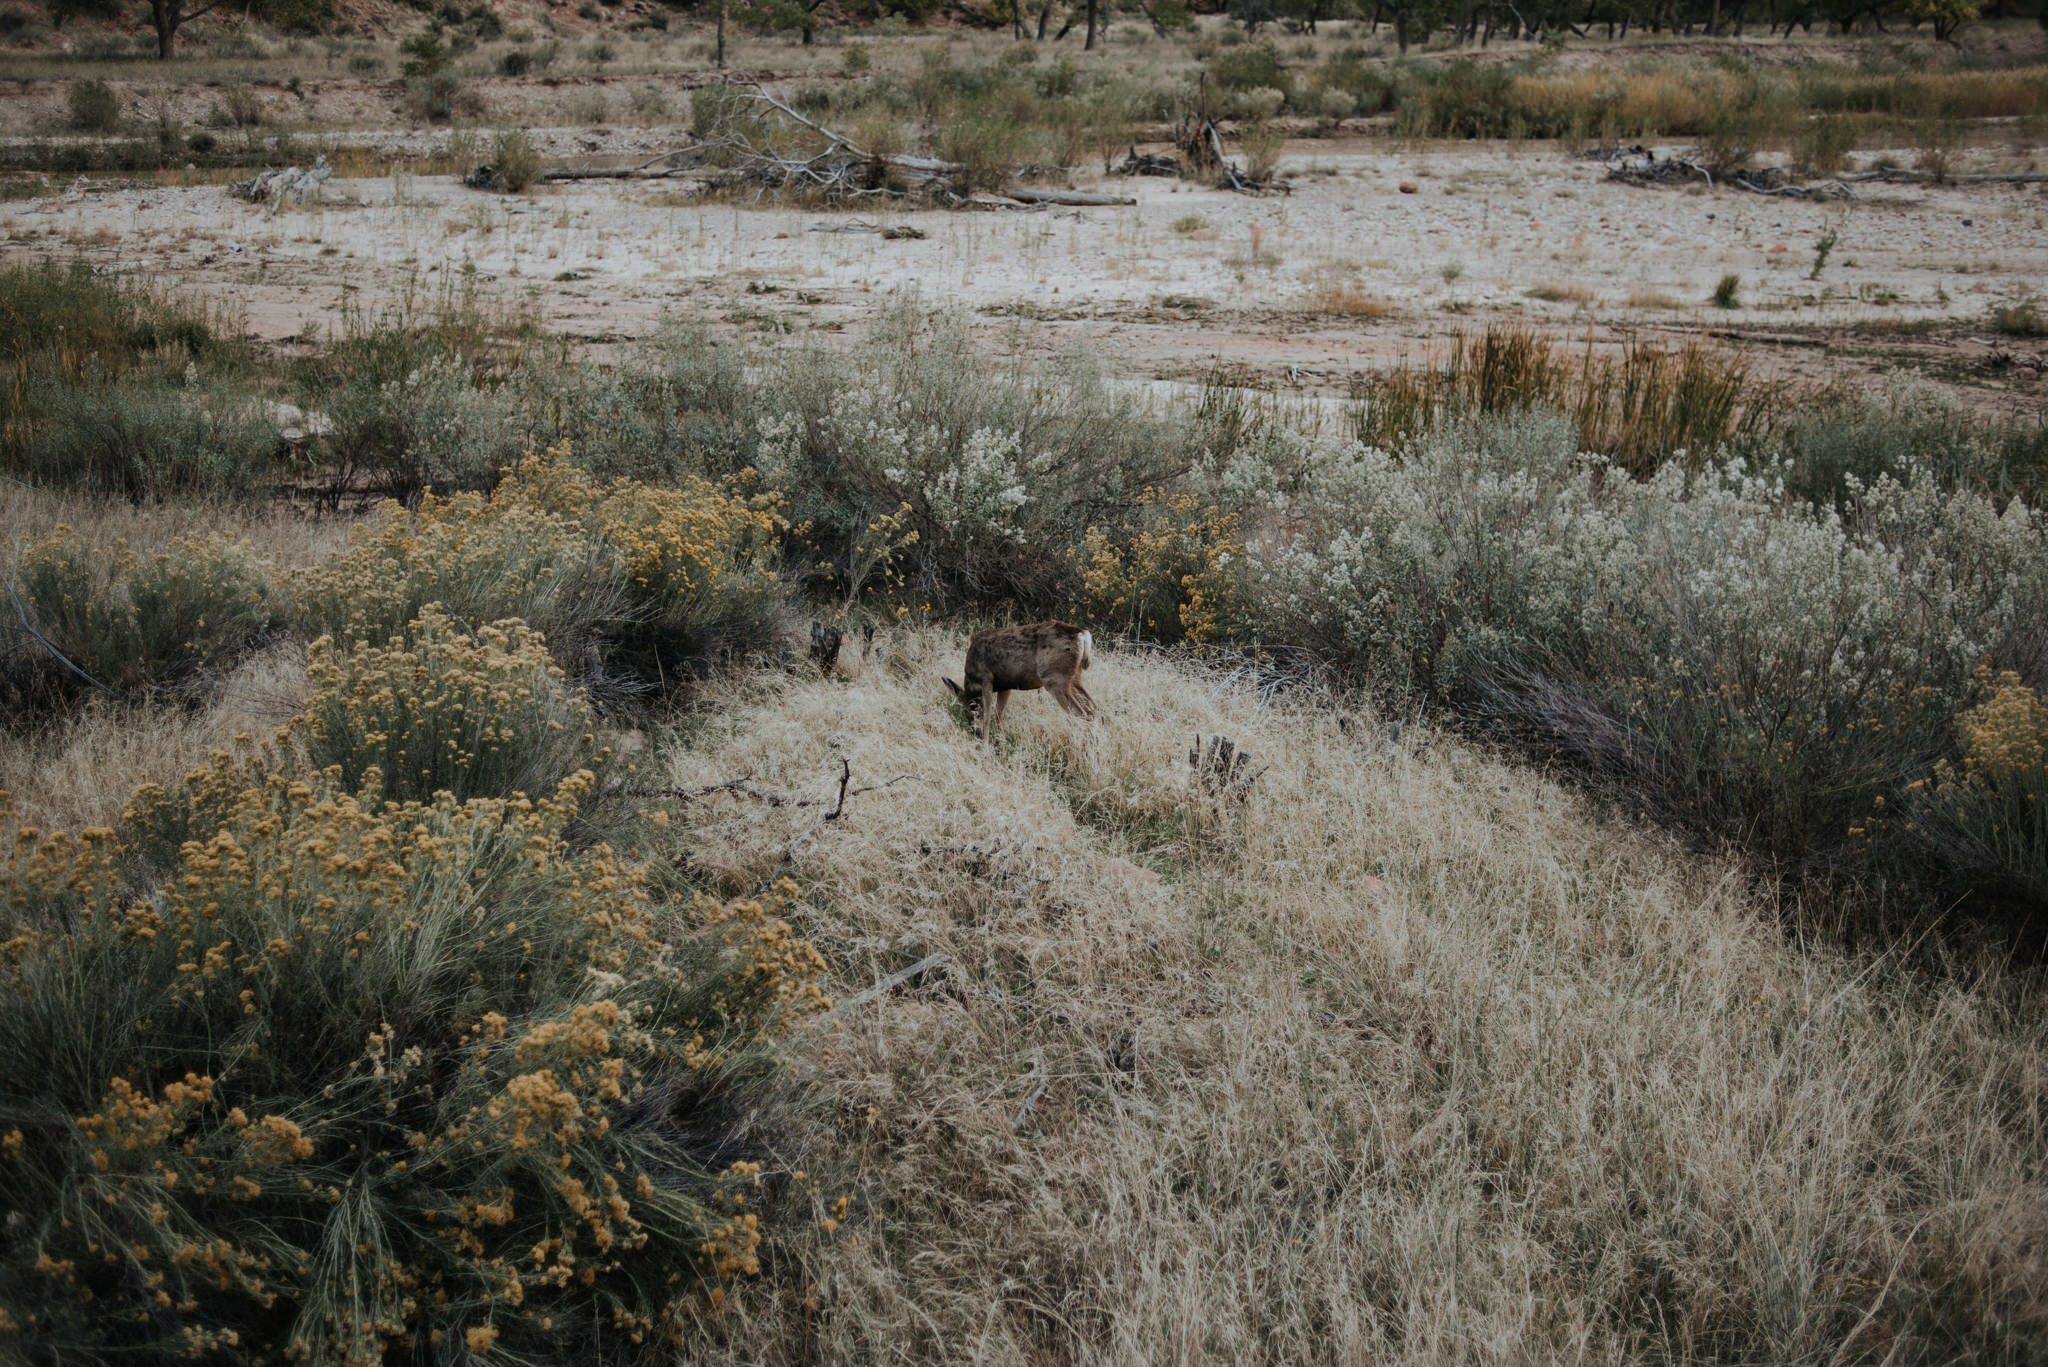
x,y
1004,473
1763,670
431,426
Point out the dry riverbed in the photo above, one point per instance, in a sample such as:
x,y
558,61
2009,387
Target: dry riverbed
x,y
1348,271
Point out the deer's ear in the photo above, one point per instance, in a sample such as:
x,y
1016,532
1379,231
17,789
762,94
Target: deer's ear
x,y
957,691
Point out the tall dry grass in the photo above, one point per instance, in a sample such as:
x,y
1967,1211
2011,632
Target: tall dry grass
x,y
1416,1060
1638,406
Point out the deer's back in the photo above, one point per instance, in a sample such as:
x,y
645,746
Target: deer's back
x,y
1026,656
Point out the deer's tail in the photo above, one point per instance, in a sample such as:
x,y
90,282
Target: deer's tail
x,y
1087,644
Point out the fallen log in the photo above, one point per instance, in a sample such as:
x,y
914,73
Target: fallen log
x,y
1068,197
1922,178
734,156
604,173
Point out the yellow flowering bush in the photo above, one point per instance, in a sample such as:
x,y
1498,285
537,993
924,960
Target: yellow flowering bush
x,y
350,1081
437,710
631,576
132,624
1175,576
1991,813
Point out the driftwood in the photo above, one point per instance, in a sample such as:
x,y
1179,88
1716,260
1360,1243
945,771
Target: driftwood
x,y
1068,197
736,155
1137,163
273,186
1200,144
1221,771
1923,178
825,641
1642,166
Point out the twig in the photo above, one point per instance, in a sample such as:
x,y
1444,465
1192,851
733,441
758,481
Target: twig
x,y
22,611
845,777
839,807
742,787
887,985
1044,1081
738,786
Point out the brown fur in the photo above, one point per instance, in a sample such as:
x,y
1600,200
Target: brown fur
x,y
1003,660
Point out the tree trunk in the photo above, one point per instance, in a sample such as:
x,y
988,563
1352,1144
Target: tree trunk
x,y
1044,18
164,17
1089,46
721,35
1401,27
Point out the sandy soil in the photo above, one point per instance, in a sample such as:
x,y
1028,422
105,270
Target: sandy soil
x,y
1298,291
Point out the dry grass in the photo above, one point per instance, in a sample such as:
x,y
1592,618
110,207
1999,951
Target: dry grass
x,y
1414,1061
1345,300
274,531
1550,292
79,774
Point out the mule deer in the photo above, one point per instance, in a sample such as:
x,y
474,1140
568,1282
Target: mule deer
x,y
1001,660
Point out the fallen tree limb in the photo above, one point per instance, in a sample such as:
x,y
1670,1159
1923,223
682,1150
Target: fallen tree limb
x,y
735,154
1922,178
607,173
1069,197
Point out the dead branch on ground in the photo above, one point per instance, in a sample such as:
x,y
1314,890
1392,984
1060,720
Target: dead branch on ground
x,y
758,143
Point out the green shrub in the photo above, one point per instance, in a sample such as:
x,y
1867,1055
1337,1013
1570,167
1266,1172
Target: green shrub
x,y
145,439
1756,672
986,145
426,56
1004,473
239,107
436,710
362,1082
516,160
1727,292
1906,424
135,627
434,425
432,98
94,106
63,314
2023,319
1824,144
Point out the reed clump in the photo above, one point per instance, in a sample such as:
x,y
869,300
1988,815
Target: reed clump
x,y
1636,407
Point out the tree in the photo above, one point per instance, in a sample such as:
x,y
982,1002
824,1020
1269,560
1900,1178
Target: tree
x,y
1947,16
166,17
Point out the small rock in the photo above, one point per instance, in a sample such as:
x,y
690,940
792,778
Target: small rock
x,y
1409,187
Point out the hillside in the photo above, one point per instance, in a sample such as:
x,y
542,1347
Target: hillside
x,y
1416,1059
